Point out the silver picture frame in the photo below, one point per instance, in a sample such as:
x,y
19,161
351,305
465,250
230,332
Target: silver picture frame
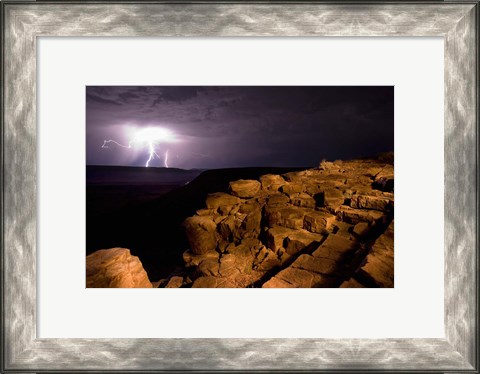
x,y
24,21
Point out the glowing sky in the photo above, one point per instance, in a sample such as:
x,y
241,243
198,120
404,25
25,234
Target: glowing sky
x,y
215,127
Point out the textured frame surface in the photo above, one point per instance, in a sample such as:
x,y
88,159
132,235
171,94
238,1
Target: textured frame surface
x,y
24,22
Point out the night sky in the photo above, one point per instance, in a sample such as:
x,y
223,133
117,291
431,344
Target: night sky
x,y
237,126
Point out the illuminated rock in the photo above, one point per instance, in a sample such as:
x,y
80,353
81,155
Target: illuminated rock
x,y
298,240
251,224
201,234
245,188
278,200
370,202
361,229
300,278
209,266
271,182
290,216
317,221
174,282
315,264
352,283
291,188
308,228
379,264
115,268
221,201
336,247
303,200
213,282
192,259
355,216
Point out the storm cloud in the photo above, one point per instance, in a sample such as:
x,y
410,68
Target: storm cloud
x,y
238,126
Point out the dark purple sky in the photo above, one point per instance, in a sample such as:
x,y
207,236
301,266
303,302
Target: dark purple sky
x,y
236,126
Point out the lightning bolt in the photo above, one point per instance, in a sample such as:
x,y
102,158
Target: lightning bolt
x,y
106,142
149,137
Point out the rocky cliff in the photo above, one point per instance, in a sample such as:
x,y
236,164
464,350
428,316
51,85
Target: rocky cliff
x,y
331,226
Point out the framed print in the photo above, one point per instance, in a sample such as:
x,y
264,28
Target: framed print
x,y
275,131
251,215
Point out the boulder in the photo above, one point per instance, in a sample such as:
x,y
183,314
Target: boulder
x,y
283,256
361,229
303,200
115,268
277,200
355,216
249,206
289,239
205,282
209,266
370,202
379,264
380,270
315,264
201,234
290,216
292,188
253,244
174,282
229,229
351,283
298,240
318,221
240,250
245,188
300,278
213,282
277,283
221,200
251,223
192,259
276,237
229,266
205,212
333,198
227,283
266,260
336,248
313,187
293,176
271,182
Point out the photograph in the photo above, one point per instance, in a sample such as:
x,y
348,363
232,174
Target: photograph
x,y
221,145
240,186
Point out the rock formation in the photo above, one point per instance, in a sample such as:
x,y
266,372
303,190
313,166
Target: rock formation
x,y
115,267
331,226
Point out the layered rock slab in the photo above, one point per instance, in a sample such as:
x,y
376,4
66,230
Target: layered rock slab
x,y
115,268
379,263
